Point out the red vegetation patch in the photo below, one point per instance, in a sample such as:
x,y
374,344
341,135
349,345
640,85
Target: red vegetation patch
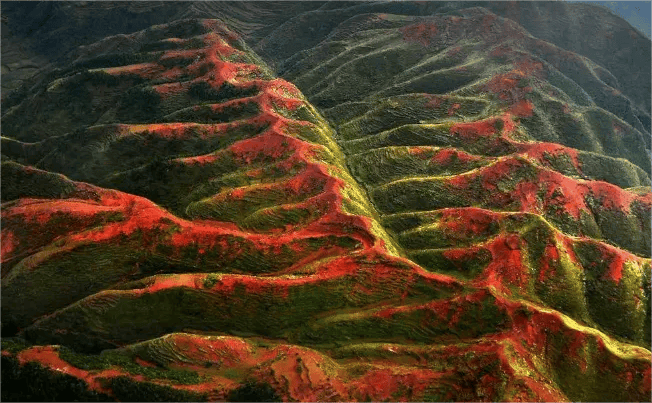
x,y
506,267
272,144
522,108
488,22
471,131
542,152
382,384
229,351
198,160
422,33
9,244
148,71
40,212
170,89
366,267
152,222
512,87
566,109
614,198
48,356
448,156
502,84
434,101
144,363
528,67
615,260
524,181
454,51
468,221
453,109
548,262
618,129
461,257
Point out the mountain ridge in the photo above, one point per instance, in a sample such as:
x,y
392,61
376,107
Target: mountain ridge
x,y
244,247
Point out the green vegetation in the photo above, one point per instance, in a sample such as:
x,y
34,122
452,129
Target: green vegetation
x,y
33,382
139,105
206,113
618,171
19,182
13,344
389,163
210,281
617,306
281,223
402,110
418,324
125,388
124,361
253,391
203,91
468,267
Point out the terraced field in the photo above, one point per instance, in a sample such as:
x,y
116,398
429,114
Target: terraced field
x,y
455,210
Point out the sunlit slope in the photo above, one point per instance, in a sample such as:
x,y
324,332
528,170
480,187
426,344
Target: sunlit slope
x,y
492,156
182,225
468,115
247,179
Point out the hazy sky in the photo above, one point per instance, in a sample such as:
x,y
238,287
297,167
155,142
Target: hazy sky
x,y
637,13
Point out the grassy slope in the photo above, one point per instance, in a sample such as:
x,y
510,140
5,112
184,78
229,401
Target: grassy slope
x,y
255,266
492,156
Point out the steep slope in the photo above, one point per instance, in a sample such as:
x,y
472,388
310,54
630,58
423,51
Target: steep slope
x,y
180,224
48,32
258,188
484,152
39,35
620,53
480,145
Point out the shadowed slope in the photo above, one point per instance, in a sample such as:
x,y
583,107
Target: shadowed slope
x,y
621,53
279,29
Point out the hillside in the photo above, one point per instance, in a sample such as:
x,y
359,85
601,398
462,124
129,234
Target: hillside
x,y
325,202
